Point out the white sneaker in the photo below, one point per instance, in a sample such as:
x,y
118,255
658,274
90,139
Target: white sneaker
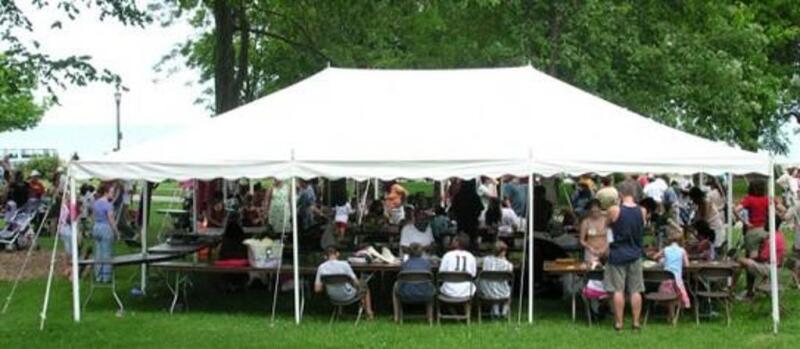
x,y
389,257
372,252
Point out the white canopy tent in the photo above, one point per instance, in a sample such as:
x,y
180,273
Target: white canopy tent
x,y
423,124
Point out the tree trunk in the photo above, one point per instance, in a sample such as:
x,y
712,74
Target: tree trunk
x,y
224,56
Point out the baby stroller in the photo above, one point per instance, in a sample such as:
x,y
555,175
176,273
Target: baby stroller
x,y
18,232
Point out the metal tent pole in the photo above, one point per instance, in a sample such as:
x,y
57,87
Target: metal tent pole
x,y
194,205
530,248
43,314
76,288
729,200
295,254
145,208
773,265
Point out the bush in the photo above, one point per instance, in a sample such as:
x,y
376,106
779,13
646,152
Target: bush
x,y
46,165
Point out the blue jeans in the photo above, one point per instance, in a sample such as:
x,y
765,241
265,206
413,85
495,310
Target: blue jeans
x,y
103,250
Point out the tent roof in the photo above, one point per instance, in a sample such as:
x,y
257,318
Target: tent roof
x,y
422,123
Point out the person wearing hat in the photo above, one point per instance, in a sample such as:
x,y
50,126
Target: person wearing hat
x,y
36,186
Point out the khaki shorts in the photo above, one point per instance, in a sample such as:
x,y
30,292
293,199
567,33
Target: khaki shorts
x,y
753,239
758,269
624,277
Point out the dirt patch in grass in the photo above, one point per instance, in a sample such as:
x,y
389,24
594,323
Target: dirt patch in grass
x,y
38,265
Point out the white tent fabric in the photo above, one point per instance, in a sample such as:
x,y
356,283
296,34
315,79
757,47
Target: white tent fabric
x,y
422,124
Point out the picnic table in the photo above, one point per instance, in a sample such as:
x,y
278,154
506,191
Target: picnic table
x,y
158,253
580,269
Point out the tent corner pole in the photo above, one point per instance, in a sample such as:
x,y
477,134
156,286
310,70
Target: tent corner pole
x,y
295,253
76,290
773,265
145,199
530,248
729,209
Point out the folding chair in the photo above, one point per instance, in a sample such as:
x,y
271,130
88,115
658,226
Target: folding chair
x,y
495,277
712,284
592,275
412,277
657,277
339,280
444,299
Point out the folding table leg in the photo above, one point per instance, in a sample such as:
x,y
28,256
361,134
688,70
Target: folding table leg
x,y
121,308
176,291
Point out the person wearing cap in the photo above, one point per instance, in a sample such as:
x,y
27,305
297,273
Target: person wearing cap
x,y
36,186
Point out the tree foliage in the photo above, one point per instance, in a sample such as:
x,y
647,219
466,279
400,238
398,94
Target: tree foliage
x,y
24,67
726,70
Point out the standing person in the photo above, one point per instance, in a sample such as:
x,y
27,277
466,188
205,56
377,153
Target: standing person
x,y
36,186
607,195
341,216
487,190
593,235
277,203
752,210
104,232
655,189
467,208
716,195
517,193
393,201
708,213
542,209
306,205
792,214
624,270
581,197
19,191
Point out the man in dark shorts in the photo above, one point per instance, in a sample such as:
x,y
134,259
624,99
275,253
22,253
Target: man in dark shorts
x,y
623,272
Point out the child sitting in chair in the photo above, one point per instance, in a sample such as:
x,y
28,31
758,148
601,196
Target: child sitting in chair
x,y
674,258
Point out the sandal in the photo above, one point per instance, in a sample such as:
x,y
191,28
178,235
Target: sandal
x,y
636,328
618,328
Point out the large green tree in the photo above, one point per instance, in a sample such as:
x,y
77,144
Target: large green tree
x,y
24,67
726,70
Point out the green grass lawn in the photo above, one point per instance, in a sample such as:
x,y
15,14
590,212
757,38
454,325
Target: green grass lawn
x,y
218,319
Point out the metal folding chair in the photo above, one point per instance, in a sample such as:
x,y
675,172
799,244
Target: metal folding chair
x,y
338,306
445,299
592,275
657,277
712,284
495,277
412,277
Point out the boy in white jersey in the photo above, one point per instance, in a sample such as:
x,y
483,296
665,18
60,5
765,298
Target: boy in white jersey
x,y
459,260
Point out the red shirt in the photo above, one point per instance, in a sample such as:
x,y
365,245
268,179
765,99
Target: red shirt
x,y
780,247
757,207
37,188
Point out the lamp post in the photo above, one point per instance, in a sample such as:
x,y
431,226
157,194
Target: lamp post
x,y
117,99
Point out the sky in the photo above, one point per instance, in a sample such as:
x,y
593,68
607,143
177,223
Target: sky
x,y
155,105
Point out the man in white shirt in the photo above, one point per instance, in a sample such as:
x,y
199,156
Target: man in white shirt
x,y
416,230
459,260
655,189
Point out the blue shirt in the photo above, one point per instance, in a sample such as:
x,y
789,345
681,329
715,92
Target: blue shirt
x,y
101,208
673,260
416,292
518,194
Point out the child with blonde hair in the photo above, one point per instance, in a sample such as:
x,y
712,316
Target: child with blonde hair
x,y
674,259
